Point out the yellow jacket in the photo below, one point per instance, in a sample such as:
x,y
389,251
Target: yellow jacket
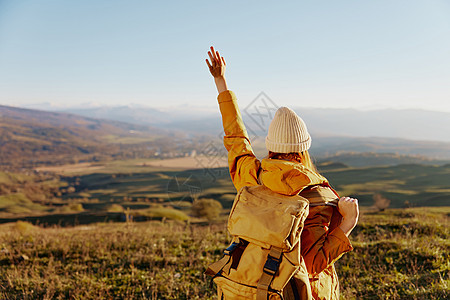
x,y
321,245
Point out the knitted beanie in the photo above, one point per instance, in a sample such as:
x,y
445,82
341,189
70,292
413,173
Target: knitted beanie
x,y
287,133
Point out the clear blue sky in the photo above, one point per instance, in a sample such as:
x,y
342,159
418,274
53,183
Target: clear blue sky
x,y
360,54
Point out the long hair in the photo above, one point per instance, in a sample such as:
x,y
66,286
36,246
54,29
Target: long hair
x,y
301,157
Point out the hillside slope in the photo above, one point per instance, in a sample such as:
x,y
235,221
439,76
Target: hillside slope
x,y
403,132
33,137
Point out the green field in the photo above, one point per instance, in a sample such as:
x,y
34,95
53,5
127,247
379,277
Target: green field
x,y
398,254
101,192
126,230
404,185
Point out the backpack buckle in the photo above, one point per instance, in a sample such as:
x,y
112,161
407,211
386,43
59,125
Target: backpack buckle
x,y
271,266
231,248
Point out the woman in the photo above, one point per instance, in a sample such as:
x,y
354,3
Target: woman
x,y
288,170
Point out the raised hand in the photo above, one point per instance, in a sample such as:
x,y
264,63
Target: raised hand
x,y
217,64
217,69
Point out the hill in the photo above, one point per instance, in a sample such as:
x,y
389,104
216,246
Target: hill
x,y
32,137
403,132
29,138
398,254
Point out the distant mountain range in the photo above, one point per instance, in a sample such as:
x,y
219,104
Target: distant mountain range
x,y
408,132
34,137
331,146
417,125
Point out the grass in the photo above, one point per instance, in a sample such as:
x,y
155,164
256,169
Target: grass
x,y
111,138
122,261
165,212
19,203
8,177
398,254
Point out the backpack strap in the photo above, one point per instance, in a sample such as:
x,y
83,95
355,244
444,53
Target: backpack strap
x,y
216,267
269,271
320,195
258,177
237,247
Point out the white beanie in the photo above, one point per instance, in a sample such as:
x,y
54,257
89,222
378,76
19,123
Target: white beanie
x,y
287,133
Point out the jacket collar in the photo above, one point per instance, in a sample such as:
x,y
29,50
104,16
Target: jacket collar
x,y
288,178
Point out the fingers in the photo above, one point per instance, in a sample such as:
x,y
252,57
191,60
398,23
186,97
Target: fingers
x,y
220,59
348,199
349,208
207,62
216,59
347,202
216,54
211,57
216,63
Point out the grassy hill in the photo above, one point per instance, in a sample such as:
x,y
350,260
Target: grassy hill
x,y
28,193
398,254
30,137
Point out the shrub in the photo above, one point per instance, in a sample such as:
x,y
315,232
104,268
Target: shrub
x,y
24,227
380,202
206,208
73,207
115,208
165,212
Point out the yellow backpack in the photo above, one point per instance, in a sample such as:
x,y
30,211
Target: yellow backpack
x,y
263,260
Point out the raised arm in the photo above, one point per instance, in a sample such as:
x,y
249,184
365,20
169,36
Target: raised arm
x,y
217,68
242,163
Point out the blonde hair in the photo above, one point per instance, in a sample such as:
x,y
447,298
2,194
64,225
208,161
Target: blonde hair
x,y
301,157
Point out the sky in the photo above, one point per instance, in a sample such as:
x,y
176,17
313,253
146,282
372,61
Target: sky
x,y
334,54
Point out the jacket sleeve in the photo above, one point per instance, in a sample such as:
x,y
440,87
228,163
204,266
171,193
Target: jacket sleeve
x,y
321,247
242,162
